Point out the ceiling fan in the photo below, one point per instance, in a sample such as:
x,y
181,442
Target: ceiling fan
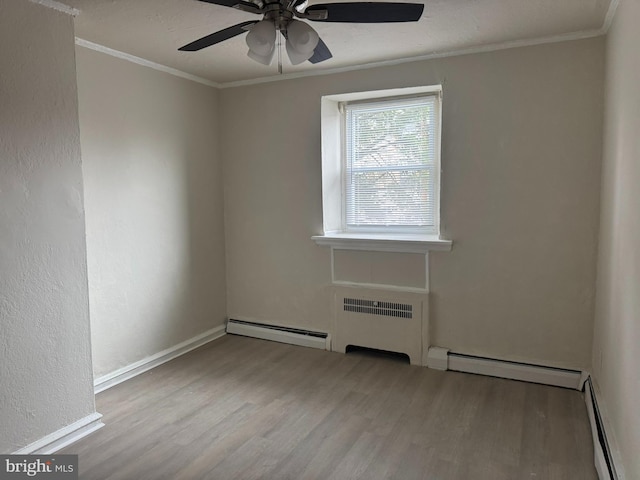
x,y
302,41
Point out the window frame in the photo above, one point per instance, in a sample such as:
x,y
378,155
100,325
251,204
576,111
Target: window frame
x,y
435,166
333,234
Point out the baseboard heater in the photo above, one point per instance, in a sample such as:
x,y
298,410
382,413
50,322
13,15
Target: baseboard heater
x,y
277,333
442,359
603,459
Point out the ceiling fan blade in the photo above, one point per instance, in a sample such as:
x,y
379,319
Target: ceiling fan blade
x,y
217,37
321,53
365,12
241,4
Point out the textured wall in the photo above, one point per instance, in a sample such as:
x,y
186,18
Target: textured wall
x,y
616,351
521,174
153,195
45,357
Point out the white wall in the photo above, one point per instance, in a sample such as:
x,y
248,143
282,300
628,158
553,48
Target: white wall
x,y
153,195
45,355
616,351
521,175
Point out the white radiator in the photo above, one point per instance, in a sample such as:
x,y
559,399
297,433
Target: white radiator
x,y
383,320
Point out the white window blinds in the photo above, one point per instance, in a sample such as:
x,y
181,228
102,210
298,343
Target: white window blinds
x,y
392,164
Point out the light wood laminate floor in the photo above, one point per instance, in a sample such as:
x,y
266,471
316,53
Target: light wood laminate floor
x,y
241,408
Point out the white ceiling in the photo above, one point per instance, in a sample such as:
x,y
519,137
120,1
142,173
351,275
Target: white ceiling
x,y
155,29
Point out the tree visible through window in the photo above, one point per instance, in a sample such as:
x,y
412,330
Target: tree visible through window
x,y
391,164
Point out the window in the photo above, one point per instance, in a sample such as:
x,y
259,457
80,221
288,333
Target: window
x,y
390,165
381,170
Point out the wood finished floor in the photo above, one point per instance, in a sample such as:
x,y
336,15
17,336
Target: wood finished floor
x,y
241,408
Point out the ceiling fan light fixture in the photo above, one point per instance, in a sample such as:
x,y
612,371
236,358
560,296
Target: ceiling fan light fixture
x,y
261,39
296,57
302,37
263,59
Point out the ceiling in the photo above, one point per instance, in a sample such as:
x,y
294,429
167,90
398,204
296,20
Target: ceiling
x,y
155,29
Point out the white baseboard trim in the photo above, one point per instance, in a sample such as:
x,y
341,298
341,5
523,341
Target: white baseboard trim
x,y
276,333
606,456
443,359
109,380
64,437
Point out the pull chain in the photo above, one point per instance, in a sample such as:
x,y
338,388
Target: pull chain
x,y
280,53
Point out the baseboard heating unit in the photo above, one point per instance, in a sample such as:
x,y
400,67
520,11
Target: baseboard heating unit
x,y
443,359
277,333
603,458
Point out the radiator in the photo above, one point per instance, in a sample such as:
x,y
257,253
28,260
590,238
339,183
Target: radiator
x,y
382,320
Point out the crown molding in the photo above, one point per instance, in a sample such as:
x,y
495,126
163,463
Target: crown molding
x,y
145,63
611,12
58,6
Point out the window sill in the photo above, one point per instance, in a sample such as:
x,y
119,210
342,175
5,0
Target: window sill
x,y
383,242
